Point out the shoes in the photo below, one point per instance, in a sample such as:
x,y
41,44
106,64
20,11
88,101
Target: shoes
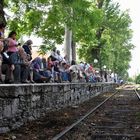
x,y
45,79
17,82
31,81
1,82
26,81
48,79
8,81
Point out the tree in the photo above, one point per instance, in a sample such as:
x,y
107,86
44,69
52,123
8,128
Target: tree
x,y
111,43
98,26
48,18
137,80
2,17
131,80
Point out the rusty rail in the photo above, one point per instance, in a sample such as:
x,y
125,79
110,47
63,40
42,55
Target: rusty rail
x,y
61,134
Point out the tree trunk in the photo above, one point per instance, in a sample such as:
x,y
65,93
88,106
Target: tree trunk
x,y
73,46
2,18
100,3
67,46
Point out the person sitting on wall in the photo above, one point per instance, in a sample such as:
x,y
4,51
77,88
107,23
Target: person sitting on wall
x,y
64,72
39,75
54,55
74,71
59,57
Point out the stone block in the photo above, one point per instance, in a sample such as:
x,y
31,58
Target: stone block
x,y
7,111
4,129
14,106
20,103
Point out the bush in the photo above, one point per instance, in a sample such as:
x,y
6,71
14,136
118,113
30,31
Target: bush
x,y
130,80
137,80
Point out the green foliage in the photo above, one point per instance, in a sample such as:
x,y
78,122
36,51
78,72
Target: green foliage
x,y
47,18
2,17
130,80
138,115
111,40
42,50
137,80
98,26
45,48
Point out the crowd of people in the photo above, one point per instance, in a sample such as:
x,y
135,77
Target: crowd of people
x,y
18,66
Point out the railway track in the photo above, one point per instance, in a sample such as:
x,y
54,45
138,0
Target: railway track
x,y
106,121
104,117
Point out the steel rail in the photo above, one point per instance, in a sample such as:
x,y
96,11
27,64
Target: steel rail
x,y
58,136
135,90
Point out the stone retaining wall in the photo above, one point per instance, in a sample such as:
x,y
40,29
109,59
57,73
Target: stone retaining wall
x,y
23,102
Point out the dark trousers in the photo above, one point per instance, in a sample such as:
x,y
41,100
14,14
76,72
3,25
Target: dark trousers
x,y
6,69
20,73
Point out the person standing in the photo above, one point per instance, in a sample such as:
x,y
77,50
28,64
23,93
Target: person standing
x,y
21,67
12,43
28,49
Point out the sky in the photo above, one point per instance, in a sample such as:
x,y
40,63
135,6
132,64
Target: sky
x,y
134,11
